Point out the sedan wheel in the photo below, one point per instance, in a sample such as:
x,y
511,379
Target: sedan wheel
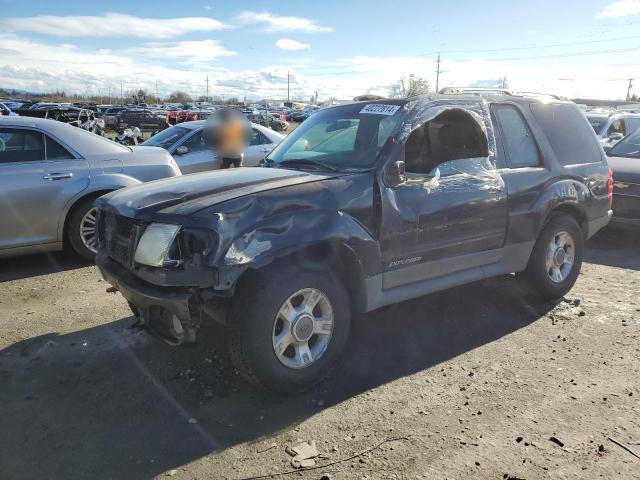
x,y
88,230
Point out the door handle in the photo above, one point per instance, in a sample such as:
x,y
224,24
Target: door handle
x,y
57,176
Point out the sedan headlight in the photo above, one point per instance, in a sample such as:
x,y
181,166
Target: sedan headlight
x,y
155,244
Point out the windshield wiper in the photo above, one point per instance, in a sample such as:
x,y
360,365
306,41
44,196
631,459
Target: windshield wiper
x,y
307,162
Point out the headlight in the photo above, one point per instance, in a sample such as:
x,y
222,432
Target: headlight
x,y
155,244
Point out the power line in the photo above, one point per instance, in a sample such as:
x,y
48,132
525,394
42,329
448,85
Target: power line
x,y
506,59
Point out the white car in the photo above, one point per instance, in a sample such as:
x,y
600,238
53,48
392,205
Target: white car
x,y
187,145
50,175
613,127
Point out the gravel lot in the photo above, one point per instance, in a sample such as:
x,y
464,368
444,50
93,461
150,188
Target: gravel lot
x,y
471,383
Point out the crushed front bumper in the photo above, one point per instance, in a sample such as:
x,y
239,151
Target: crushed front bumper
x,y
163,311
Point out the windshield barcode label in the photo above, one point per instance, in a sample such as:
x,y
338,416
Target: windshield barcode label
x,y
380,109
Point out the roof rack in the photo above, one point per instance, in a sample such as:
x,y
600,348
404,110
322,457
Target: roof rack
x,y
500,91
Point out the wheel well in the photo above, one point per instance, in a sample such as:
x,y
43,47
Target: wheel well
x,y
338,257
76,204
574,212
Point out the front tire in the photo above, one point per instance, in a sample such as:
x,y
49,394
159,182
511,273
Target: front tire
x,y
82,229
289,327
556,259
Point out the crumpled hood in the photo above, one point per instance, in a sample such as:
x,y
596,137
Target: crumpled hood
x,y
188,194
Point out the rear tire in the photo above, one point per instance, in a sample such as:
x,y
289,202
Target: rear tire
x,y
82,229
273,312
556,258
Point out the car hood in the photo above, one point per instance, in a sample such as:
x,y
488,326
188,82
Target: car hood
x,y
625,170
173,198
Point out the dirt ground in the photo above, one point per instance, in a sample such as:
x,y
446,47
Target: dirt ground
x,y
473,382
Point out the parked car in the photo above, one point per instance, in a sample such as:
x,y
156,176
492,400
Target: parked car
x,y
179,116
362,206
613,127
145,120
270,121
50,174
5,110
188,146
624,160
301,116
78,117
110,117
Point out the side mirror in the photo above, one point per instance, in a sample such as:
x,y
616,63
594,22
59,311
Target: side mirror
x,y
616,136
396,174
182,149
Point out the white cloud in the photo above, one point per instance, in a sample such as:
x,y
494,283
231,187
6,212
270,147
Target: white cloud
x,y
289,44
530,32
192,52
40,67
275,23
112,25
621,8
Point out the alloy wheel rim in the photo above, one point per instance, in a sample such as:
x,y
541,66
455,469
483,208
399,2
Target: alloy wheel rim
x,y
560,256
302,328
88,230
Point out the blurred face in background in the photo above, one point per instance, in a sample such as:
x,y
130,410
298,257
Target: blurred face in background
x,y
228,132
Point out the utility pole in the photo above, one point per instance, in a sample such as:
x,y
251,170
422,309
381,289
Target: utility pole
x,y
438,75
207,88
157,97
121,96
288,99
629,89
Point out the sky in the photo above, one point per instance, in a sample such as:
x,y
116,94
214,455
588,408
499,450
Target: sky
x,y
337,48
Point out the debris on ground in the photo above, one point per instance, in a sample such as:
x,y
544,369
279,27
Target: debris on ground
x,y
623,446
303,454
557,441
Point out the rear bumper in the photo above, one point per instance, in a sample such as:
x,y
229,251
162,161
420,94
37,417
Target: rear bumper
x,y
593,226
164,311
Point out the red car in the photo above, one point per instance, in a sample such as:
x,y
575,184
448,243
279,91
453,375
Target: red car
x,y
180,116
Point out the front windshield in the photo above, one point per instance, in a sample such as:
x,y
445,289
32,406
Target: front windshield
x,y
166,138
597,121
628,147
348,137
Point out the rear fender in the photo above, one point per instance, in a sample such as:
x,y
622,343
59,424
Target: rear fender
x,y
568,194
99,184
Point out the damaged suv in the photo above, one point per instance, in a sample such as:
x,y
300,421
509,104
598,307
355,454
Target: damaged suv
x,y
362,206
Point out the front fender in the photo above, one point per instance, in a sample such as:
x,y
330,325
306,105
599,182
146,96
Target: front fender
x,y
285,234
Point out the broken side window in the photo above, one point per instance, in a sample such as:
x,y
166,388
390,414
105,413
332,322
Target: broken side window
x,y
450,143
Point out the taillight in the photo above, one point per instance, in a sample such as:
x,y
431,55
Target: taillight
x,y
610,185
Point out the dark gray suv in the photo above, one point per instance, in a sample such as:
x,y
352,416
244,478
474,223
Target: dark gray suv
x,y
362,206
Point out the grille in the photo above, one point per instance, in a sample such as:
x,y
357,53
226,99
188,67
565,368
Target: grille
x,y
121,235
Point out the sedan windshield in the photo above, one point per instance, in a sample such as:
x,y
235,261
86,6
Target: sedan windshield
x,y
348,137
166,138
627,147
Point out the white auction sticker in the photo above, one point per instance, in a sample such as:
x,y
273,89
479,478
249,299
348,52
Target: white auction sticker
x,y
380,109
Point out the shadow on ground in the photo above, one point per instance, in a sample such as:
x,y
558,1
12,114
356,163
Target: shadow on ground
x,y
615,247
110,403
40,264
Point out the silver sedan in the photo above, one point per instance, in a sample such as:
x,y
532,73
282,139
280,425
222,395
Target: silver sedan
x,y
50,175
187,144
